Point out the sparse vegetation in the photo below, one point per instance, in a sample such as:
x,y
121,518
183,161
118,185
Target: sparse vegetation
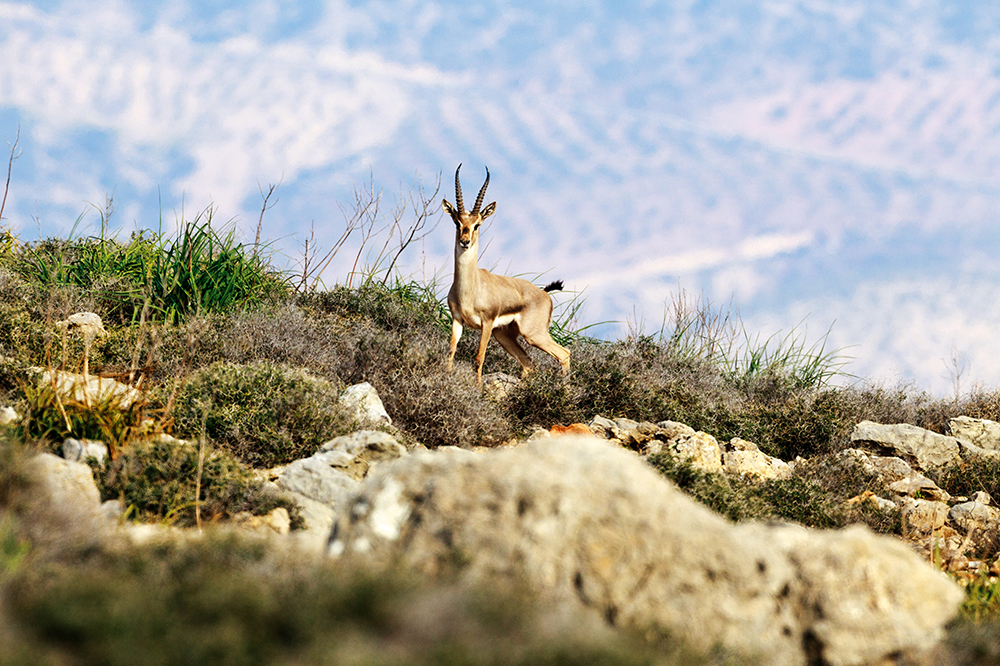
x,y
227,351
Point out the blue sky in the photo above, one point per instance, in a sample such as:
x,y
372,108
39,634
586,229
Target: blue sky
x,y
832,163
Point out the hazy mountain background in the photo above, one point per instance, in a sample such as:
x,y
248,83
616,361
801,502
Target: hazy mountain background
x,y
818,163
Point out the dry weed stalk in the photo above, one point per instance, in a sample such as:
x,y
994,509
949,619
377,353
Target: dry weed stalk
x,y
367,218
14,155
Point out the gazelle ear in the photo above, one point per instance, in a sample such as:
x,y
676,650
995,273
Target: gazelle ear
x,y
448,209
489,210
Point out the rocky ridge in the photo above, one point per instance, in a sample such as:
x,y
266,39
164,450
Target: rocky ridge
x,y
577,516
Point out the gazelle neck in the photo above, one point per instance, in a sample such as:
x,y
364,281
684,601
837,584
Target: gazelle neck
x,y
467,267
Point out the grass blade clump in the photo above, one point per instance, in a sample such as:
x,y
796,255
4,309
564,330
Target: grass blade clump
x,y
200,270
204,272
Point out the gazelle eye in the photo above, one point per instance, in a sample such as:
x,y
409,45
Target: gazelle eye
x,y
475,228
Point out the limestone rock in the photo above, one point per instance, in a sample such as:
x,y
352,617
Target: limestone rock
x,y
277,521
585,523
744,459
922,517
363,402
64,483
919,486
981,432
859,458
602,427
880,504
8,415
87,324
925,448
673,429
72,386
977,521
320,477
318,518
890,468
700,449
78,450
982,497
369,446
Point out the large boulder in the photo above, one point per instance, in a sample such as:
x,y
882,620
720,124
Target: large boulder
x,y
584,523
924,448
319,483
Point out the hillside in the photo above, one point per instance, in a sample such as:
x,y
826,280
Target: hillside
x,y
247,365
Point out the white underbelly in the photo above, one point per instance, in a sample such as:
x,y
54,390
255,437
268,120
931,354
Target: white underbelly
x,y
475,321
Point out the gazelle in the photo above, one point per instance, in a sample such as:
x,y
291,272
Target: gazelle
x,y
503,307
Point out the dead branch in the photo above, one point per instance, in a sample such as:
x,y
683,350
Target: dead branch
x,y
271,189
14,155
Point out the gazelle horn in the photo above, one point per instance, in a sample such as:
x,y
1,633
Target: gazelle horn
x,y
458,191
482,192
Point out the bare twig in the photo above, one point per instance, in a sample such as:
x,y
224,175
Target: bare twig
x,y
271,189
201,464
14,155
367,219
423,207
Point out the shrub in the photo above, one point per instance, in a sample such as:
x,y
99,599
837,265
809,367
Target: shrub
x,y
965,477
543,398
401,306
440,409
797,425
265,414
797,499
159,479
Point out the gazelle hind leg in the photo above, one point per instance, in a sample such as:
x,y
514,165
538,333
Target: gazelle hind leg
x,y
552,348
507,337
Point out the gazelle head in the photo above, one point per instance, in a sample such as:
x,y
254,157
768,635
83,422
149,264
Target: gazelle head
x,y
467,224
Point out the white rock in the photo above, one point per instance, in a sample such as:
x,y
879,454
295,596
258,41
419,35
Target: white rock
x,y
79,450
926,448
318,478
101,389
87,324
370,445
365,404
922,517
700,449
8,415
981,432
754,464
65,484
584,523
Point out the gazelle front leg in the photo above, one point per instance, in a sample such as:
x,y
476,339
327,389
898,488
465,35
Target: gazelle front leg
x,y
484,340
456,333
